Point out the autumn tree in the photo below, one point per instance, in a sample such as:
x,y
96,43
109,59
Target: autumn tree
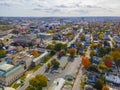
x,y
105,88
37,83
72,51
107,59
116,57
86,61
35,53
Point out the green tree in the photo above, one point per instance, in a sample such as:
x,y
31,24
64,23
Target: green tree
x,y
50,46
58,46
92,53
79,45
49,65
37,83
99,85
55,63
2,52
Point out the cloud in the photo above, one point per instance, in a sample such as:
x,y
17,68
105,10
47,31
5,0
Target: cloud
x,y
61,7
4,4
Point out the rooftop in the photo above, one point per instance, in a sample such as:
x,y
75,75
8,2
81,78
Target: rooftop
x,y
6,67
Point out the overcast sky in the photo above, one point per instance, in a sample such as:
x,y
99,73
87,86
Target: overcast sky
x,y
59,7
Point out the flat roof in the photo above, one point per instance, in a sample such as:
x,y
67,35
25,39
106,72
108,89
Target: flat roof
x,y
6,67
6,71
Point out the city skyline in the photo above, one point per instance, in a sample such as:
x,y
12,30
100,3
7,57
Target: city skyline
x,y
47,8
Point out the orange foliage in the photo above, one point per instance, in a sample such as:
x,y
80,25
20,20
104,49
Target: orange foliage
x,y
105,88
72,51
86,61
35,53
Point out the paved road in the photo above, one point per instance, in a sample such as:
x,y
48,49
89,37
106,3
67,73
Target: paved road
x,y
81,30
77,82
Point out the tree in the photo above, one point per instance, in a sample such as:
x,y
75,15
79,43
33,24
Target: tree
x,y
35,53
72,51
50,46
105,88
107,59
86,61
58,46
82,37
92,53
116,57
2,52
79,45
103,51
37,83
55,63
30,88
99,85
49,65
100,36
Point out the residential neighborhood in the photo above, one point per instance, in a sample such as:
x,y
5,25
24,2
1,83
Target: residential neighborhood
x,y
60,54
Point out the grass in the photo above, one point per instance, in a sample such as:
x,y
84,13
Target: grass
x,y
16,85
47,58
23,77
36,68
68,83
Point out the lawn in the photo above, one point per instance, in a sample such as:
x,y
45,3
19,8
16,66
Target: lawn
x,y
36,68
47,58
15,85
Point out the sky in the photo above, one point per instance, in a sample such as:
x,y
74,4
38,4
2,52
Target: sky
x,y
47,8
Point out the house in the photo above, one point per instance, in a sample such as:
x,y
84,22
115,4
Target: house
x,y
113,77
96,60
92,78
